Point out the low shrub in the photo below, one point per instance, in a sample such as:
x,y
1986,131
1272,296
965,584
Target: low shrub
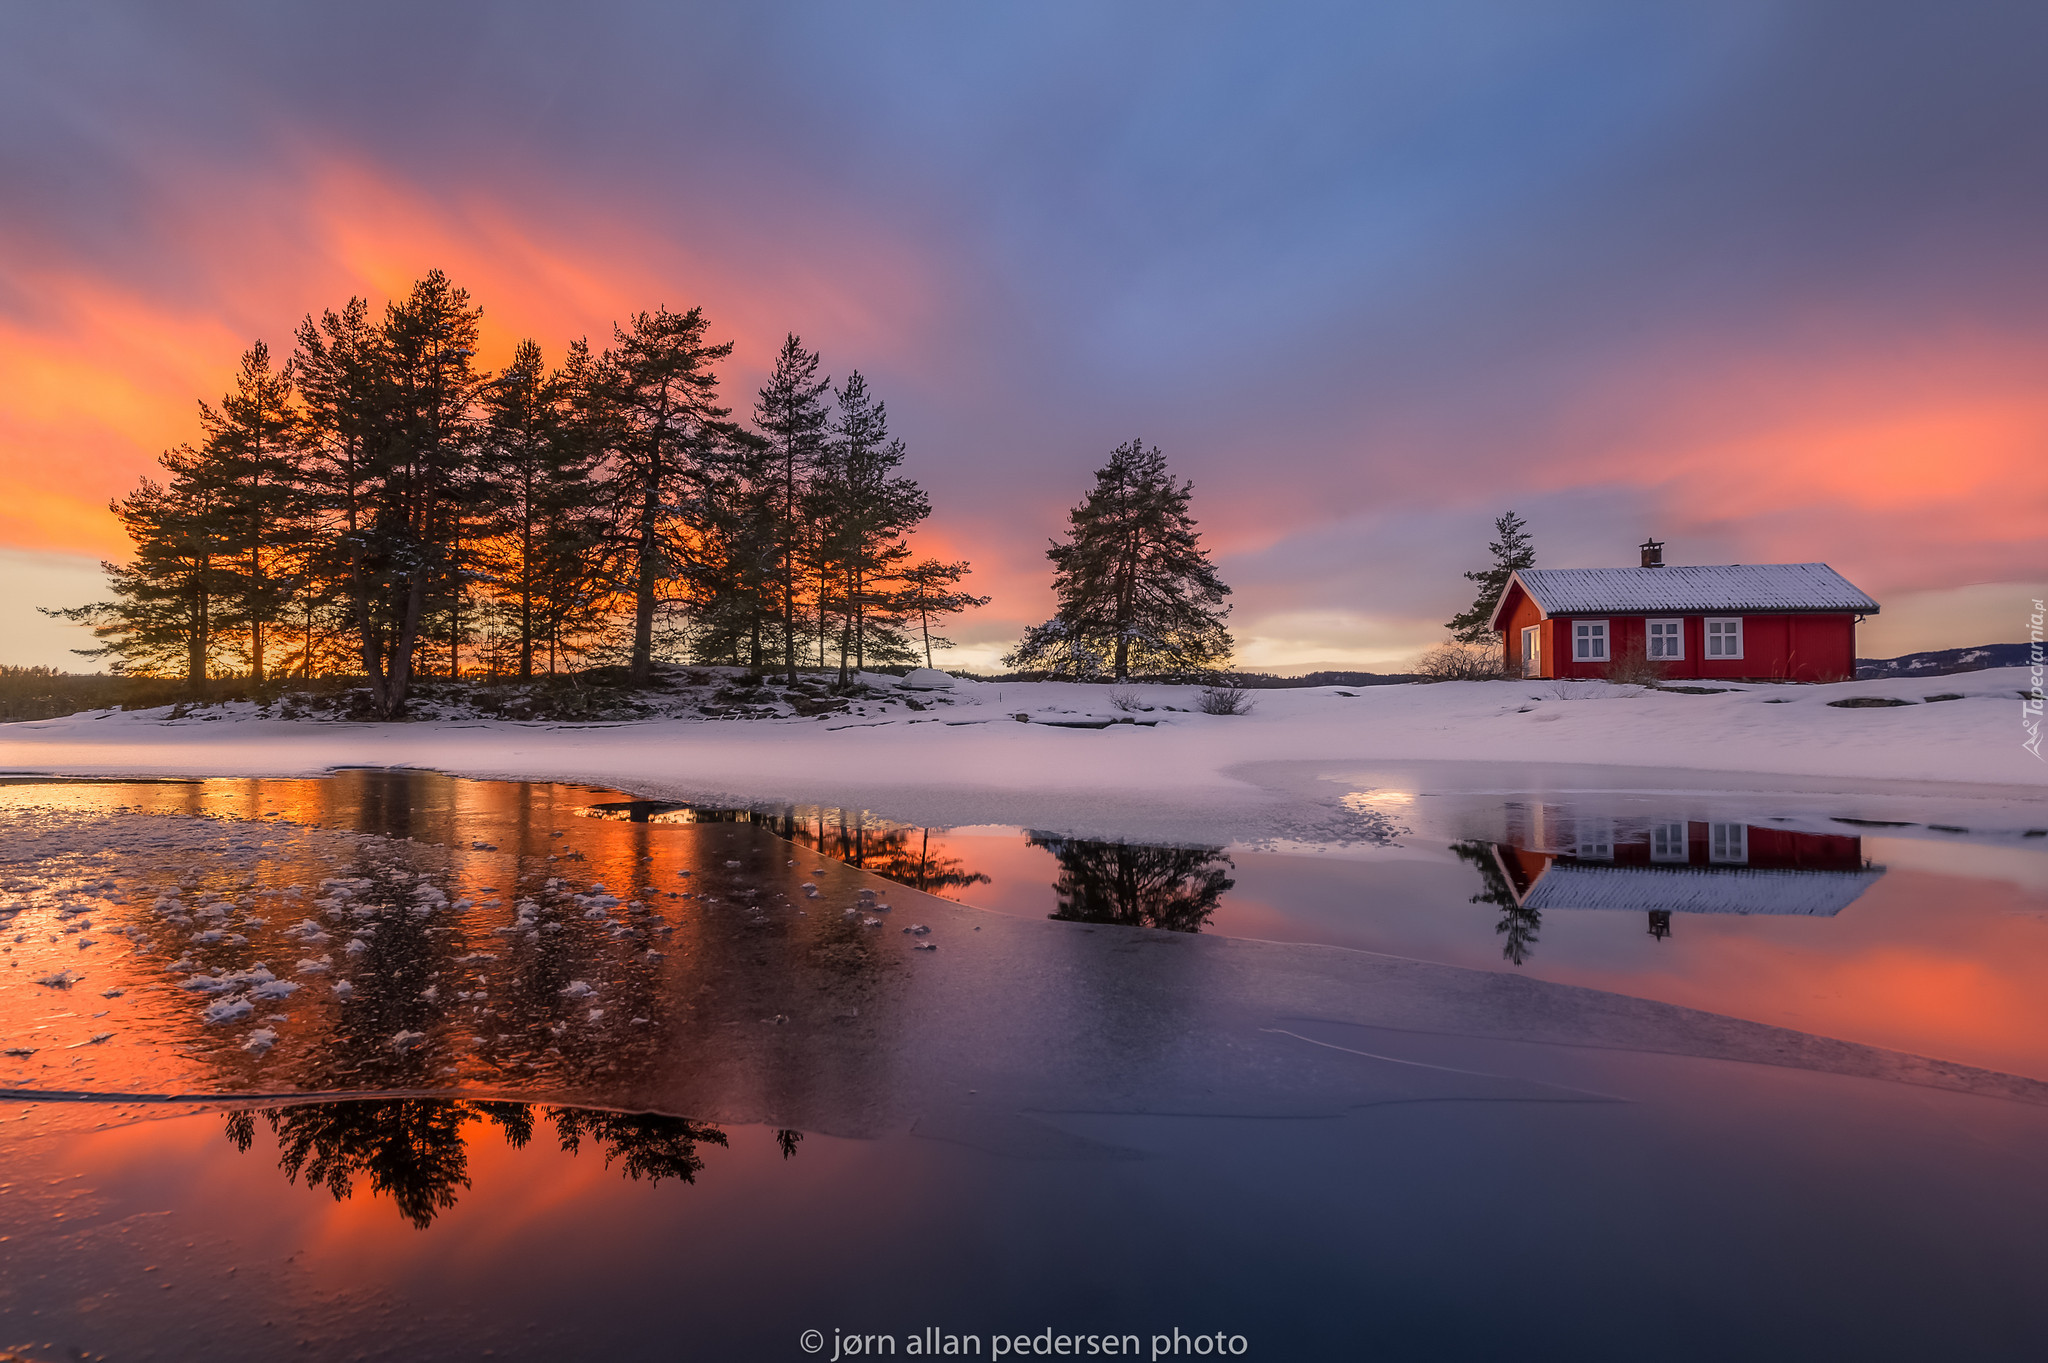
x,y
1225,696
1125,699
1635,668
1458,661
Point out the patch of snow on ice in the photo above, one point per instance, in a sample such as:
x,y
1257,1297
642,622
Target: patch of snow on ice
x,y
228,1009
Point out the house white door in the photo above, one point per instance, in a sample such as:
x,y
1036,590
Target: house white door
x,y
1532,645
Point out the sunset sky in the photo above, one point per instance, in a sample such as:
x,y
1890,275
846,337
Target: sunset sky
x,y
1768,281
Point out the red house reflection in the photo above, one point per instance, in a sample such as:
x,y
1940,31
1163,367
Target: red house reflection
x,y
1662,867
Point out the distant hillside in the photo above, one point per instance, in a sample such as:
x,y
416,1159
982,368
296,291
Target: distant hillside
x,y
1263,681
1268,681
1941,662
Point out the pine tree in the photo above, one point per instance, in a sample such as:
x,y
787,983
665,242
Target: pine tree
x,y
433,475
791,415
164,616
1512,550
928,591
252,448
865,508
735,571
660,394
394,440
1136,590
340,375
542,522
577,532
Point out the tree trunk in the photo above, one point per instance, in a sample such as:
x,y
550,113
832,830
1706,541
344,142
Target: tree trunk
x,y
373,662
789,627
845,644
1126,607
196,642
256,617
643,605
400,675
526,629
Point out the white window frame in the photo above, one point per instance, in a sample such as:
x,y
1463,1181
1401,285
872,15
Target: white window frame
x,y
1670,842
1593,840
1728,844
1596,632
1532,650
1675,640
1719,630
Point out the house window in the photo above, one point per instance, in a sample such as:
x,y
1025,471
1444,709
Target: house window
x,y
1667,842
1666,639
1594,841
1728,842
1532,652
1724,638
1589,641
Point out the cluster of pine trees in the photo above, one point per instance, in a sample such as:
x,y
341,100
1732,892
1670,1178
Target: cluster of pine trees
x,y
380,506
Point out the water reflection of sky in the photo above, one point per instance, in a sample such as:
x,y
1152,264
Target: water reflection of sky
x,y
1739,1194
726,1096
1924,946
1932,948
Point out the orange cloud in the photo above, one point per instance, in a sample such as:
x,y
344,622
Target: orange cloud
x,y
87,402
98,377
1910,455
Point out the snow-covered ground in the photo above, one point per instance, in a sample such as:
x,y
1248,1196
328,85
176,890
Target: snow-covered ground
x,y
1171,773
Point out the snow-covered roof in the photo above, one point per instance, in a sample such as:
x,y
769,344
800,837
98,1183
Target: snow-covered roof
x,y
1732,587
1698,889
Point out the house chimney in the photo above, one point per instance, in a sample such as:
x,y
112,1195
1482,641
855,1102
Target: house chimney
x,y
1653,553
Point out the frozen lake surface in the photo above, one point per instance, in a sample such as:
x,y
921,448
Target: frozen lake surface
x,y
392,1063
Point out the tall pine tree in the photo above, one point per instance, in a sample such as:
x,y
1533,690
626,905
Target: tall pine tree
x,y
543,523
791,415
168,599
427,473
1512,549
252,450
865,509
340,372
660,394
1136,590
395,439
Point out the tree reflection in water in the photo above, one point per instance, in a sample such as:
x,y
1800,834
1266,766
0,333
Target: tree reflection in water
x,y
416,1150
903,855
1134,885
1518,925
647,1144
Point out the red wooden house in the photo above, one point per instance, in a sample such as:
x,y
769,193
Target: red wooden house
x,y
1734,622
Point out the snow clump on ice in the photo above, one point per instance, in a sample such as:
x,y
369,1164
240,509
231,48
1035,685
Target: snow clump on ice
x,y
228,1010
